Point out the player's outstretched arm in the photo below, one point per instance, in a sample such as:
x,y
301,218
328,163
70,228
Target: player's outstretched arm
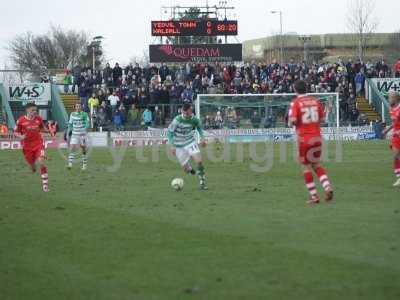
x,y
171,134
19,135
292,115
18,131
86,120
387,130
200,130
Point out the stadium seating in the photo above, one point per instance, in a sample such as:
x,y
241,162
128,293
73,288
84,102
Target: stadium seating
x,y
364,107
69,100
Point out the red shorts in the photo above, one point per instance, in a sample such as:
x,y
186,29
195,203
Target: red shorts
x,y
310,150
33,154
395,145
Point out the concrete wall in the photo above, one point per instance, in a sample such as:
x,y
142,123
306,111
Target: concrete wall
x,y
321,47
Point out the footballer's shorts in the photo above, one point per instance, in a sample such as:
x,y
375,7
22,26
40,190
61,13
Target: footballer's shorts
x,y
395,144
310,150
184,154
79,139
33,154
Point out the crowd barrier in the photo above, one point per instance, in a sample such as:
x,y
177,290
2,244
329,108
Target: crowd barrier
x,y
159,137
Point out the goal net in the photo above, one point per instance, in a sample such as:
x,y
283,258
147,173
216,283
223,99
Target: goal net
x,y
257,111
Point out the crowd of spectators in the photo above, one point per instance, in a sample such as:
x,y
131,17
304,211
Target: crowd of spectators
x,y
136,97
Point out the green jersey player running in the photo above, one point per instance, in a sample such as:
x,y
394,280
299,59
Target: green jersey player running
x,y
181,135
77,135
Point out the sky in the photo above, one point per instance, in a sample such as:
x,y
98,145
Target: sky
x,y
125,24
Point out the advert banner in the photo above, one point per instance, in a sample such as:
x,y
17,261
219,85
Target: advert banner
x,y
207,53
95,139
38,93
159,137
385,85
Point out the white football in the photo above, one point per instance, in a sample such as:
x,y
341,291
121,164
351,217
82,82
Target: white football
x,y
177,184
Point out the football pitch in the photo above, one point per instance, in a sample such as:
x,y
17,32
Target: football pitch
x,y
119,231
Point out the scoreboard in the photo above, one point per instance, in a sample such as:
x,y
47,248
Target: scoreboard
x,y
194,28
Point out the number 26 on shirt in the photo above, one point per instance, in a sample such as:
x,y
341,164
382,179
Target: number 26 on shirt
x,y
310,115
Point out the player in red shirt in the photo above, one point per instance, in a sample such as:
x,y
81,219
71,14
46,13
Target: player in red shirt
x,y
29,128
394,99
306,113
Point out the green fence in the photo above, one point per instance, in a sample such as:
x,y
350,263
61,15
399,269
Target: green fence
x,y
58,110
5,107
379,101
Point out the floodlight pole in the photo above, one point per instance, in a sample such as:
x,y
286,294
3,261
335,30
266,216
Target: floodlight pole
x,y
305,39
281,32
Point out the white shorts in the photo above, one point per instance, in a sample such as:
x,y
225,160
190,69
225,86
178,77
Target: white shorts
x,y
185,153
80,140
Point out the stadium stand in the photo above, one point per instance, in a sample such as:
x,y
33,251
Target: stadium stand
x,y
167,87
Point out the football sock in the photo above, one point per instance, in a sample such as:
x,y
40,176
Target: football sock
x,y
201,172
45,178
71,157
309,180
84,159
397,167
323,178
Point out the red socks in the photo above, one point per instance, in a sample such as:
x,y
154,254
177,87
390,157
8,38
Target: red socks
x,y
323,178
309,180
45,178
397,167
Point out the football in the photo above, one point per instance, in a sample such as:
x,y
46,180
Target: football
x,y
177,184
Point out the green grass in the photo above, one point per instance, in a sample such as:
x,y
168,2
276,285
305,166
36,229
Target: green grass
x,y
127,235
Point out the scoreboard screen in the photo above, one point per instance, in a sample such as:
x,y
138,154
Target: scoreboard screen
x,y
194,28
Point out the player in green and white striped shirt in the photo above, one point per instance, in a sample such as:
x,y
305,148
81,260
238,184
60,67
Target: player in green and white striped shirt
x,y
77,135
181,135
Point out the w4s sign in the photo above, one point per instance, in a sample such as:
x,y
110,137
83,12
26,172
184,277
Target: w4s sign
x,y
385,85
39,93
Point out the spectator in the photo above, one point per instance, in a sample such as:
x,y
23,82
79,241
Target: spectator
x,y
330,114
157,119
117,74
187,94
3,130
101,96
164,72
76,72
52,127
147,117
255,120
232,119
67,81
378,129
117,120
362,119
134,117
143,97
101,118
359,81
93,103
114,101
354,114
208,122
396,68
83,95
218,120
123,114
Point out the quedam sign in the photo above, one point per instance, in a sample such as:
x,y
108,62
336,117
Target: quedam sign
x,y
196,53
